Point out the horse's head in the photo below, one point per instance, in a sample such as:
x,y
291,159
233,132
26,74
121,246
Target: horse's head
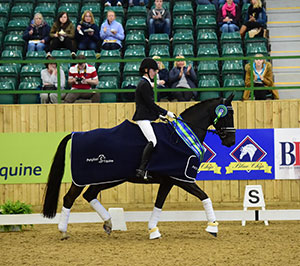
x,y
223,121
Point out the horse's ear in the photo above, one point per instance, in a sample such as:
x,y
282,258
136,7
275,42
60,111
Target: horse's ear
x,y
230,98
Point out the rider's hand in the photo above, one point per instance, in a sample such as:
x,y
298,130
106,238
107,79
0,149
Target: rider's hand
x,y
170,114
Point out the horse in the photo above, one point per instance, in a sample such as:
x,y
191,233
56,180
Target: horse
x,y
249,149
217,112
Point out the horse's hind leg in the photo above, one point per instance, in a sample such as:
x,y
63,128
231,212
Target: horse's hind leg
x,y
69,199
91,196
212,226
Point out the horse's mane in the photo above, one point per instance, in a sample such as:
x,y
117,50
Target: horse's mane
x,y
200,104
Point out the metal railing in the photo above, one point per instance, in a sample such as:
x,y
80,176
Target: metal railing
x,y
59,92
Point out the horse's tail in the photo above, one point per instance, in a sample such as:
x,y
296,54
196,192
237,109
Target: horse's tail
x,y
54,179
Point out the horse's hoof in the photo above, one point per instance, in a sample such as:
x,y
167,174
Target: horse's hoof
x,y
107,226
154,233
212,228
64,236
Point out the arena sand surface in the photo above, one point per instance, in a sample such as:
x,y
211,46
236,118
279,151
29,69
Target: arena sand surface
x,y
182,243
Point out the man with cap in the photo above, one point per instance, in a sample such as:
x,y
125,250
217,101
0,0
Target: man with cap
x,y
147,111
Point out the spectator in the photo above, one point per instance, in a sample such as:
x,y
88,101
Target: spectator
x,y
162,77
82,76
137,3
183,77
256,19
113,3
49,80
263,77
87,32
229,17
209,2
112,32
159,19
37,33
62,34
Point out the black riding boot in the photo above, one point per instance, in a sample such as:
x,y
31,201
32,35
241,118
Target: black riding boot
x,y
140,173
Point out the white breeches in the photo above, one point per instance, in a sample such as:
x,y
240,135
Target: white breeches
x,y
145,126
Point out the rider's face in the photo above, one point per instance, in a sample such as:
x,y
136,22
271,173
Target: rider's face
x,y
152,73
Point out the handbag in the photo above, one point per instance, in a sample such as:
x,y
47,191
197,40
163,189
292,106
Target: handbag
x,y
49,87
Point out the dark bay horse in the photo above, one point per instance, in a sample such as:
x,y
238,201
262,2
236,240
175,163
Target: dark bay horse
x,y
217,112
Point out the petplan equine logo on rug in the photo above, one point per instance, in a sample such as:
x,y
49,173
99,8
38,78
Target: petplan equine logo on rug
x,y
100,159
206,164
248,156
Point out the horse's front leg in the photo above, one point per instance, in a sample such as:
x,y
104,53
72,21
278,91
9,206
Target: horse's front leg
x,y
192,188
69,199
162,194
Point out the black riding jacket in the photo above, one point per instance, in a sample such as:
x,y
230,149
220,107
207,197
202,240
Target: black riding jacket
x,y
146,109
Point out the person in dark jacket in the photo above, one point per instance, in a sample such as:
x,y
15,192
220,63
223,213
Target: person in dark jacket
x,y
147,111
162,78
229,17
37,34
87,32
183,77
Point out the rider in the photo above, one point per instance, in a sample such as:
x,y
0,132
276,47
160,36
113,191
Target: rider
x,y
147,110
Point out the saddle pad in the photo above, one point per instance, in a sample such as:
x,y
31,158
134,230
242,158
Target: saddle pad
x,y
111,155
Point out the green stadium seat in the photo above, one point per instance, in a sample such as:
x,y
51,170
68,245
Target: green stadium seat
x,y
256,48
107,97
131,69
47,2
14,40
18,24
231,37
233,67
4,9
182,8
61,54
186,50
135,39
72,10
137,11
238,95
208,67
21,11
24,1
35,55
207,37
3,24
46,10
89,54
206,10
95,8
210,50
109,69
230,50
159,38
159,50
182,23
135,53
112,54
130,82
11,54
244,11
136,24
208,81
32,70
119,11
255,39
206,23
183,38
7,98
71,1
28,98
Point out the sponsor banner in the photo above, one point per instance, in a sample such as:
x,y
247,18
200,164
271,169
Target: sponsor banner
x,y
287,153
27,157
252,156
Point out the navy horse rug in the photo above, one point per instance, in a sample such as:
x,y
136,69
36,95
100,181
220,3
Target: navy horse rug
x,y
111,155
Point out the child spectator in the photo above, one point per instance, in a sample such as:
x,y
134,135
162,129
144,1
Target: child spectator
x,y
112,32
62,34
159,19
229,17
87,32
37,34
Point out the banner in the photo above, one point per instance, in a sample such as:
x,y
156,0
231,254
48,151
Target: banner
x,y
252,156
27,157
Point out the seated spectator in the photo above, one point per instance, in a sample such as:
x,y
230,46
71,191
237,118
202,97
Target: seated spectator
x,y
229,17
159,19
256,19
112,32
87,32
113,3
262,77
37,34
209,2
82,76
49,81
62,34
162,78
183,77
137,3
